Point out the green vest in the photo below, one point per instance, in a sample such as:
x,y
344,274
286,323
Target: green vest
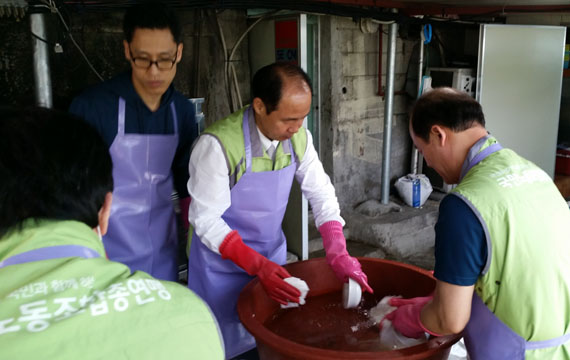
x,y
229,133
526,221
76,308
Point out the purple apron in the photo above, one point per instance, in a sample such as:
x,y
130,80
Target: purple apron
x,y
258,203
51,252
142,227
486,336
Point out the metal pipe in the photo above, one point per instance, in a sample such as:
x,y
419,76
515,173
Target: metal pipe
x,y
196,53
381,91
317,65
40,48
388,111
380,36
415,153
304,203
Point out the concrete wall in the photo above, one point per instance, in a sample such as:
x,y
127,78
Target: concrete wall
x,y
100,37
16,76
353,114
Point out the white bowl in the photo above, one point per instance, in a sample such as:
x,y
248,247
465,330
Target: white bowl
x,y
351,294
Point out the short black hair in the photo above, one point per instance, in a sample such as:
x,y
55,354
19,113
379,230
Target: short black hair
x,y
53,166
151,15
267,82
446,107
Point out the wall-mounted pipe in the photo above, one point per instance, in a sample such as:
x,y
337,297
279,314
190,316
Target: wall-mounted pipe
x,y
381,91
388,112
491,10
380,36
433,8
40,48
196,53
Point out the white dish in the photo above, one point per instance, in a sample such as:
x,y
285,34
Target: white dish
x,y
351,294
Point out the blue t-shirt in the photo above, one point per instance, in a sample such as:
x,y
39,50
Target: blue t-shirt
x,y
99,106
460,245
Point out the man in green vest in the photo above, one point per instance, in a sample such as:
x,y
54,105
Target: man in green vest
x,y
502,247
241,172
60,297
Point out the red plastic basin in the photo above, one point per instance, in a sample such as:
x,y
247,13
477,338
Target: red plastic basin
x,y
384,276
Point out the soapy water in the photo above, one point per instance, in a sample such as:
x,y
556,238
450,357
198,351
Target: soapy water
x,y
323,323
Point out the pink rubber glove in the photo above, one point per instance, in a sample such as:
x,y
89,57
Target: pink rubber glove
x,y
343,265
406,318
184,204
270,274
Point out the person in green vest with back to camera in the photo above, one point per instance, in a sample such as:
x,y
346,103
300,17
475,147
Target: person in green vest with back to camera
x,y
61,298
502,246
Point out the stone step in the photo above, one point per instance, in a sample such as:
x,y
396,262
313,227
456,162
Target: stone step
x,y
391,231
404,233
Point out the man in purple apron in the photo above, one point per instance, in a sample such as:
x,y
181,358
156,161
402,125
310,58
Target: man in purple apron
x,y
149,128
502,255
237,218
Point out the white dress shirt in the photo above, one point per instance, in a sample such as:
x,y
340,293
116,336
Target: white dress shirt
x,y
209,188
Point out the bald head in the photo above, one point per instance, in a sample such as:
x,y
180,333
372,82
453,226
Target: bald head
x,y
272,82
447,107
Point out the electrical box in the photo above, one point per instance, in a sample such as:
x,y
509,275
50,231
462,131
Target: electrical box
x,y
458,78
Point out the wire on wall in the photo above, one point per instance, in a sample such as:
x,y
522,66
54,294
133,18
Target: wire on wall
x,y
230,74
53,8
196,52
224,49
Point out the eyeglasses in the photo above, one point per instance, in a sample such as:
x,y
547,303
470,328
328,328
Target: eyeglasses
x,y
145,63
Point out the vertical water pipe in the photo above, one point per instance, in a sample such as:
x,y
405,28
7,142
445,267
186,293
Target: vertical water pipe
x,y
40,49
388,111
303,46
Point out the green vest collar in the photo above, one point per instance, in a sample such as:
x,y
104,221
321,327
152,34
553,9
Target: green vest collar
x,y
36,234
481,144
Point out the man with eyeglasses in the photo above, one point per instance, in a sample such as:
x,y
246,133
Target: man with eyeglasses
x,y
149,128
